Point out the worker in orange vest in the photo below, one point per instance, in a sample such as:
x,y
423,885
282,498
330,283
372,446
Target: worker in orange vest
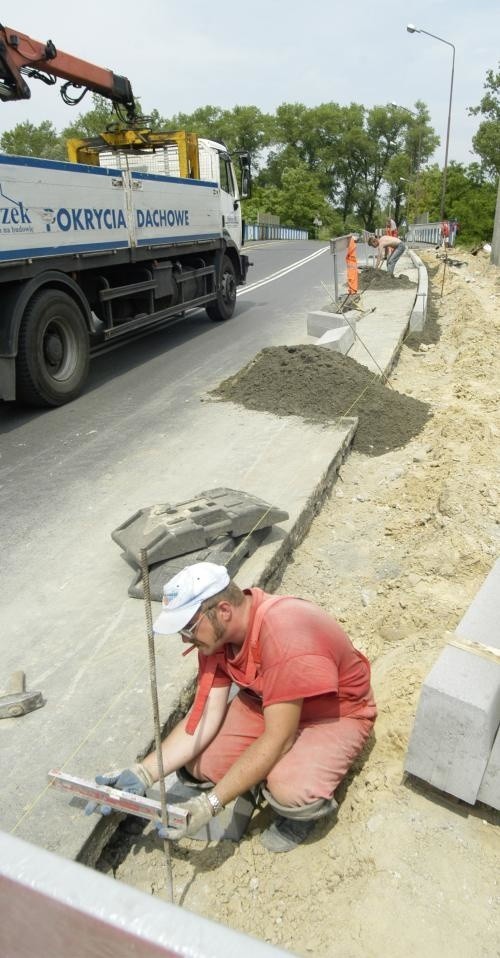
x,y
352,267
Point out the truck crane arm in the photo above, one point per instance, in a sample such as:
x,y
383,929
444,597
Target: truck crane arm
x,y
21,54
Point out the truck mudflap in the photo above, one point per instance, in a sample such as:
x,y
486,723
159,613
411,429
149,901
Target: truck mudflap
x,y
245,263
7,378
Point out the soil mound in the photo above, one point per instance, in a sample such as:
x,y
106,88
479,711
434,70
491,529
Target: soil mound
x,y
370,278
320,385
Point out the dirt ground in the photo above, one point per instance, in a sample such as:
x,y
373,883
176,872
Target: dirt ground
x,y
397,553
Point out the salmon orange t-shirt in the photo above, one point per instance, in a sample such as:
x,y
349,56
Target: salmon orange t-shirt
x,y
296,651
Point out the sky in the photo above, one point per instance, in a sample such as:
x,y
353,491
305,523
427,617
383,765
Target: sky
x,y
180,56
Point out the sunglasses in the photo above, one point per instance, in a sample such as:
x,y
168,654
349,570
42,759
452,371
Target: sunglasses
x,y
189,631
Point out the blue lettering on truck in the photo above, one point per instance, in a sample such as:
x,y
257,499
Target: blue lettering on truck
x,y
89,219
152,218
16,218
14,215
84,218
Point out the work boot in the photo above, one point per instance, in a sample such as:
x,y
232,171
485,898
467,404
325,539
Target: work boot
x,y
293,823
284,834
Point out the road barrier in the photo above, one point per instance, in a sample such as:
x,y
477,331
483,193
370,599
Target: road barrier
x,y
428,233
266,231
338,248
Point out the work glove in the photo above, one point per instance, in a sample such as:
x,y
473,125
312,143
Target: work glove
x,y
200,813
135,780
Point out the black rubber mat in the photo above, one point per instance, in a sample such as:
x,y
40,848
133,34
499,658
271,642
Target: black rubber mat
x,y
227,550
168,531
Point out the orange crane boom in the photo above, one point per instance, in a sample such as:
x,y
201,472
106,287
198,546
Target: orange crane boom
x,y
21,54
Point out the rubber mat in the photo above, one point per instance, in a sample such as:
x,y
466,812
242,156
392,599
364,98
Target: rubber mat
x,y
226,551
167,531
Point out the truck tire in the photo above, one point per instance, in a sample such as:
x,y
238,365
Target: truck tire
x,y
223,307
53,352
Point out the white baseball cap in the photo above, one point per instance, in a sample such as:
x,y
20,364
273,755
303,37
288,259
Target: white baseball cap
x,y
183,595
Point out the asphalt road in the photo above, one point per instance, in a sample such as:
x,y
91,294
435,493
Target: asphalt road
x,y
132,386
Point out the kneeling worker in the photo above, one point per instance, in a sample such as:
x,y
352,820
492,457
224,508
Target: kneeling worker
x,y
389,248
304,711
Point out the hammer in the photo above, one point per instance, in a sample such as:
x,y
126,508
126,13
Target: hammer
x,y
16,700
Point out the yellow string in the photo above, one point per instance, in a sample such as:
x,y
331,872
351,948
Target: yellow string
x,y
76,750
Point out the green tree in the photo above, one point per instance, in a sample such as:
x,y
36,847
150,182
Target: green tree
x,y
300,198
298,201
486,141
264,199
471,198
93,122
350,150
242,128
26,139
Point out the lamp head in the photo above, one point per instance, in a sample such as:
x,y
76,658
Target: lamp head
x,y
393,103
412,29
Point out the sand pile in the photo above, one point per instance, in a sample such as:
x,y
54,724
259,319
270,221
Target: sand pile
x,y
320,385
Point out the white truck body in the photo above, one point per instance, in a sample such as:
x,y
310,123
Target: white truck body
x,y
48,207
91,253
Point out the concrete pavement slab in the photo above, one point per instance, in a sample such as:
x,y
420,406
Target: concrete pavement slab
x,y
381,332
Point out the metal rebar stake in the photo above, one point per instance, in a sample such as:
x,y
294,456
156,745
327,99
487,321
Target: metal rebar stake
x,y
156,715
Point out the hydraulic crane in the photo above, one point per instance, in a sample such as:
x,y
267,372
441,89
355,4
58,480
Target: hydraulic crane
x,y
21,55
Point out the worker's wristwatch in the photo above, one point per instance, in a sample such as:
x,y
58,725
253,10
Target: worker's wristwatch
x,y
216,803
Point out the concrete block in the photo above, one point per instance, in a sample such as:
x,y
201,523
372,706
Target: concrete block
x,y
456,722
340,339
419,311
481,621
489,790
229,825
320,322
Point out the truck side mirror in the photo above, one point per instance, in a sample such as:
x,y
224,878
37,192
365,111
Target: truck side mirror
x,y
246,185
246,178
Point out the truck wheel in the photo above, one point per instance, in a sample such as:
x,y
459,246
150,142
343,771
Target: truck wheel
x,y
223,307
53,352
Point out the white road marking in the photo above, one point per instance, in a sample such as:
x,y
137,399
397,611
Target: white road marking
x,y
281,272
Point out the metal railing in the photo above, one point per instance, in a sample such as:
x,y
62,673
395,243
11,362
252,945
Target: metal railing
x,y
266,231
429,233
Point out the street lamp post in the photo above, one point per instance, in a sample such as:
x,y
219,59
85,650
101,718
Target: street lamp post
x,y
412,29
